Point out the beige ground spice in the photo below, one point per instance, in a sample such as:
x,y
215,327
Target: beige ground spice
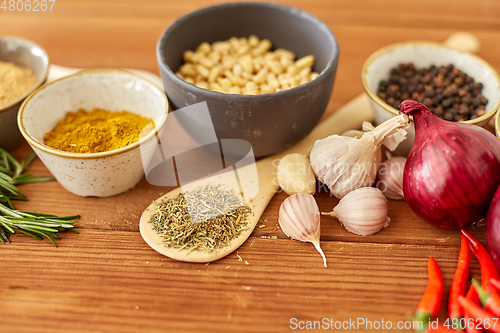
x,y
14,81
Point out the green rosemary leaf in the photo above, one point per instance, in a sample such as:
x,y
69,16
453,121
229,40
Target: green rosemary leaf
x,y
4,162
6,200
50,239
30,234
47,216
8,211
41,224
37,225
6,226
10,162
3,234
29,179
29,160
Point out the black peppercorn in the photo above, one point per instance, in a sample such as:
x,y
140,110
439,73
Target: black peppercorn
x,y
446,90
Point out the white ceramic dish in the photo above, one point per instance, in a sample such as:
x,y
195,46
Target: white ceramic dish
x,y
96,174
424,54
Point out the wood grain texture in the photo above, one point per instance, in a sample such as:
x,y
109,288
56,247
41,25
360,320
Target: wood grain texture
x,y
107,279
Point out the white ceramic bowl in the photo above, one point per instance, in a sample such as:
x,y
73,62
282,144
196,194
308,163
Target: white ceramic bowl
x,y
423,54
95,174
24,53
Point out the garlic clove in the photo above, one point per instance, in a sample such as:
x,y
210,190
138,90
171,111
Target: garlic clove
x,y
362,211
390,178
295,174
299,218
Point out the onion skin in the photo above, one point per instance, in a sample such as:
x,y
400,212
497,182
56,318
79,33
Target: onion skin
x,y
493,228
452,170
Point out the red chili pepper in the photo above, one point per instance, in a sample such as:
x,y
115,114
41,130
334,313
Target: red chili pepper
x,y
459,284
495,283
488,268
430,304
490,323
470,323
490,301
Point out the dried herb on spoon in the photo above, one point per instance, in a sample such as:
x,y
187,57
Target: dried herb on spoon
x,y
36,225
176,225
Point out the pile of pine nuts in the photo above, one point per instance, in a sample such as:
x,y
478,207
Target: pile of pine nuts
x,y
245,66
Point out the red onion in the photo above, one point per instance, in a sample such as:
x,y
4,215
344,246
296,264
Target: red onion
x,y
493,228
452,171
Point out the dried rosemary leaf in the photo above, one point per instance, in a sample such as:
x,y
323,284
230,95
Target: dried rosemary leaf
x,y
174,222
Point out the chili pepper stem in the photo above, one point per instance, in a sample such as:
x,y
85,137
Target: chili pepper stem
x,y
477,312
430,304
424,318
490,301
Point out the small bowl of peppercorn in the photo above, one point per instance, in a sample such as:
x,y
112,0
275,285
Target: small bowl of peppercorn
x,y
455,85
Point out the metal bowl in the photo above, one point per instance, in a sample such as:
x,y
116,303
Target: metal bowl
x,y
26,54
270,122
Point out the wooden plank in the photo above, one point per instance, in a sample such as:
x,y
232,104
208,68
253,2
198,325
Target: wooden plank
x,y
123,212
112,281
95,280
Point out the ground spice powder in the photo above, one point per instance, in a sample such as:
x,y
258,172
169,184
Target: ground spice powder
x,y
97,131
15,81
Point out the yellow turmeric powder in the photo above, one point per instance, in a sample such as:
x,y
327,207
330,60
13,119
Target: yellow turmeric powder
x,y
96,131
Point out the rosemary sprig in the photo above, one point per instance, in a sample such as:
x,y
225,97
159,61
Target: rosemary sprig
x,y
36,225
11,174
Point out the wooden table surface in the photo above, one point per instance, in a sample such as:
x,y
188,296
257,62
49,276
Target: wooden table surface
x,y
107,279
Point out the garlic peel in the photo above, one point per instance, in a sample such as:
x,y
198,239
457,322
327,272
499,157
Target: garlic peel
x,y
362,211
299,218
392,141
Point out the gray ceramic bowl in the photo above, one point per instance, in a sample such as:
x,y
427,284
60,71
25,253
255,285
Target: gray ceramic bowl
x,y
27,54
270,122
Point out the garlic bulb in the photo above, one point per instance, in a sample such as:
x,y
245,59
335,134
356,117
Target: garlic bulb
x,y
295,174
299,219
345,163
362,211
390,178
353,134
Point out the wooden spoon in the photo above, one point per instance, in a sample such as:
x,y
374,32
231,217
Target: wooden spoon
x,y
350,116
